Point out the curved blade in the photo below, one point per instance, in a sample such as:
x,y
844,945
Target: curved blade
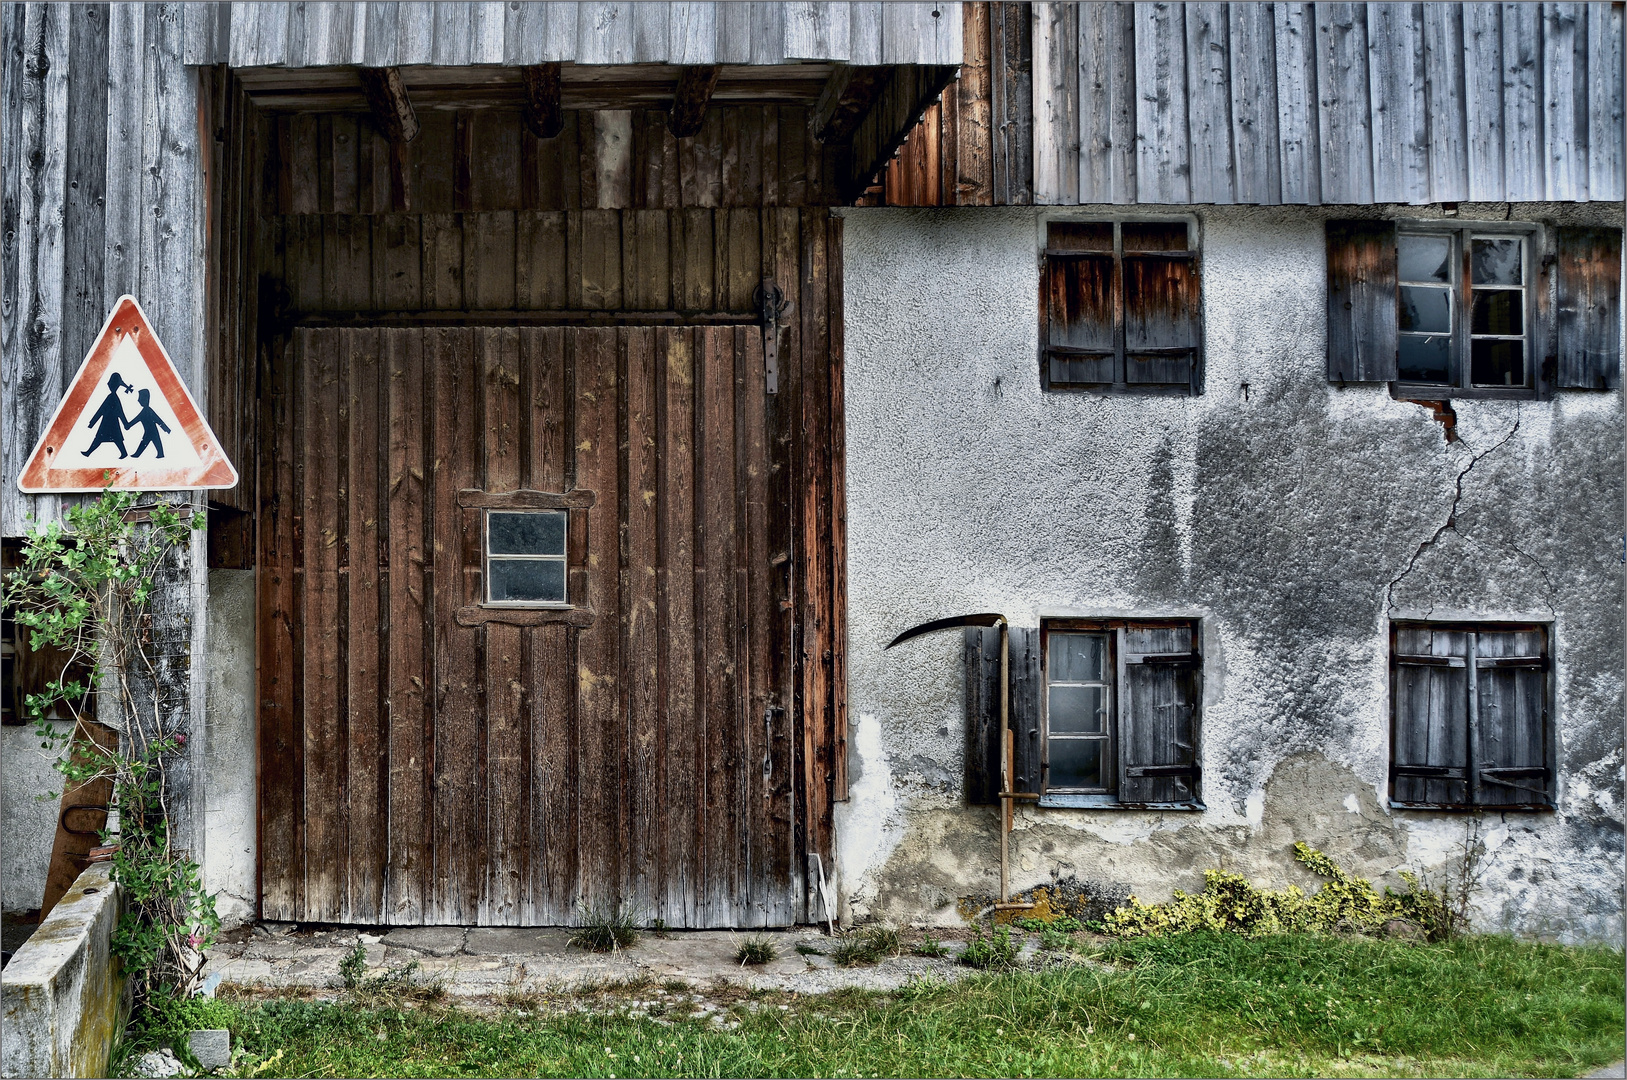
x,y
987,618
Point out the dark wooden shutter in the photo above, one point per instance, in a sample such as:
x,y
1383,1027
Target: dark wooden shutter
x,y
982,715
1161,319
1158,714
1511,698
1429,745
1080,335
1362,318
1026,718
1588,312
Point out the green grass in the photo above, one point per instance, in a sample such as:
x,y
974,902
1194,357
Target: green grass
x,y
1195,1005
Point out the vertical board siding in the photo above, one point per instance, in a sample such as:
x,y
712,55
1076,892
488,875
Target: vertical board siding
x,y
420,770
382,32
1351,103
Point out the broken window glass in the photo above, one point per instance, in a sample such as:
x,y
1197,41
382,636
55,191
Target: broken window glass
x,y
1434,348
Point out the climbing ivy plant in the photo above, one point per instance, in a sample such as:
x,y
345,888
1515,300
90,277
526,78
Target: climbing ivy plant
x,y
84,587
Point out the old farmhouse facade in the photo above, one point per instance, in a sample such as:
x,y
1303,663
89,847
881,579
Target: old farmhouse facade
x,y
611,384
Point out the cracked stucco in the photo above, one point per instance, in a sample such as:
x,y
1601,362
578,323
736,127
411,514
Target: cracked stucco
x,y
1295,518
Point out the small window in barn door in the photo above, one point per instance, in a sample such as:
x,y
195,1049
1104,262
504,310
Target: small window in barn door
x,y
1120,713
1470,717
1120,307
525,557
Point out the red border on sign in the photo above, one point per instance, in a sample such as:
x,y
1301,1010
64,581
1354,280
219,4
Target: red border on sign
x,y
41,475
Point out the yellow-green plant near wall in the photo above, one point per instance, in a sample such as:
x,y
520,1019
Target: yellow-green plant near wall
x,y
85,587
1344,903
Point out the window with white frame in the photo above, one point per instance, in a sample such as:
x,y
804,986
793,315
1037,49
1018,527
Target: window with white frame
x,y
525,558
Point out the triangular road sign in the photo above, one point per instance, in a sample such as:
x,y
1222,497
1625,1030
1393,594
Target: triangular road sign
x,y
127,421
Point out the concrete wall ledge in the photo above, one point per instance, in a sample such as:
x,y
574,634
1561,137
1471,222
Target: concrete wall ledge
x,y
62,1001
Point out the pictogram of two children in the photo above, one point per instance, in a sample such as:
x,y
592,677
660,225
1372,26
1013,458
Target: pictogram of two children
x,y
111,423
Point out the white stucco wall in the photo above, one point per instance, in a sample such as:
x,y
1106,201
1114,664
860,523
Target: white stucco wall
x,y
1282,511
27,822
231,805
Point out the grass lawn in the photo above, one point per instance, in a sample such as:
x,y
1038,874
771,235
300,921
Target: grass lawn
x,y
1193,1005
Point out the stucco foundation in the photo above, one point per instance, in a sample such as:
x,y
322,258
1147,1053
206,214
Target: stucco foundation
x,y
1294,517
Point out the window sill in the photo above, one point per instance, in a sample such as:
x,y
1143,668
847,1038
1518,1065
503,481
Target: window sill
x,y
1464,808
1402,391
1109,802
510,615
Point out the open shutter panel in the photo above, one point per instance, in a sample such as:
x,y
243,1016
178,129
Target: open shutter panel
x,y
1362,318
1588,308
982,715
1511,699
1158,730
1026,719
1430,753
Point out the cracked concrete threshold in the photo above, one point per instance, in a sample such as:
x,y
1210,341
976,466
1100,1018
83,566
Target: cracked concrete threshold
x,y
494,963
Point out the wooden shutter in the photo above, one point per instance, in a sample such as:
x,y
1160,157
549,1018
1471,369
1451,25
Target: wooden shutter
x,y
1080,347
1026,718
1588,312
1160,317
1158,714
1429,759
1511,705
1362,317
982,715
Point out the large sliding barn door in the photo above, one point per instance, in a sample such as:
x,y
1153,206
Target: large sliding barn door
x,y
428,760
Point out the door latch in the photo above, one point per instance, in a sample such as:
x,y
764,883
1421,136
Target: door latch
x,y
772,308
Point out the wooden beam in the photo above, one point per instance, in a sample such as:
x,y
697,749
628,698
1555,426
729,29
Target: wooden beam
x,y
387,98
881,130
695,85
848,95
544,114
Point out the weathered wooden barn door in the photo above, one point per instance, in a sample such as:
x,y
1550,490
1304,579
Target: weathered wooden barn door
x,y
441,761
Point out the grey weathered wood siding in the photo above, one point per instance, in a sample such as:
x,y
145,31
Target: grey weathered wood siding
x,y
1334,103
103,195
386,33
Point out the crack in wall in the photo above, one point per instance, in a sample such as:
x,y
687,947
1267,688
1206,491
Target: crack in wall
x,y
1451,518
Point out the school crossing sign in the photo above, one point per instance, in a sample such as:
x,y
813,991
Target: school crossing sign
x,y
127,421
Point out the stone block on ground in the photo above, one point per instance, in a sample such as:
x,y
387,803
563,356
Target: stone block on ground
x,y
212,1047
427,940
516,941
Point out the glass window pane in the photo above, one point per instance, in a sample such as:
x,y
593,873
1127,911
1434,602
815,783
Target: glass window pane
x,y
1425,258
1499,311
1076,763
1078,709
1496,261
1425,359
1076,657
538,581
1426,310
537,532
1497,363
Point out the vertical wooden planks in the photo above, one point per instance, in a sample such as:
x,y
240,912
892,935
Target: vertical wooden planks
x,y
324,722
1255,134
1604,102
754,716
639,685
677,591
1565,98
1446,102
1163,164
85,176
717,663
508,742
540,260
1011,78
459,720
365,614
974,181
411,709
1524,165
1056,103
547,394
1298,114
1106,81
600,725
1399,126
1483,98
1208,102
1343,106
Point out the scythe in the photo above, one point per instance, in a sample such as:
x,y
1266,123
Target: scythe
x,y
1007,796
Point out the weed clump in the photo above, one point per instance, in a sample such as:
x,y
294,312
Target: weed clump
x,y
393,986
868,945
995,950
930,946
755,950
1345,903
605,929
